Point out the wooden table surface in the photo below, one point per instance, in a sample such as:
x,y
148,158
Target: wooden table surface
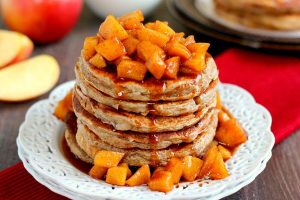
x,y
280,179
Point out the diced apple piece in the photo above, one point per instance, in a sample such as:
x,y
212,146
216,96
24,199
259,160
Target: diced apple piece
x,y
156,65
172,67
223,116
219,103
132,20
226,154
61,110
10,46
196,62
146,49
107,159
116,176
218,169
64,106
28,79
89,47
178,37
97,172
159,169
98,61
111,49
146,34
208,160
26,49
150,25
230,133
140,177
189,40
178,49
200,48
161,181
118,60
131,69
175,166
192,166
129,173
161,27
130,44
111,28
132,33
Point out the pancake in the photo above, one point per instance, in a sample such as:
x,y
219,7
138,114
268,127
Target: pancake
x,y
91,143
124,121
130,139
259,15
70,132
262,6
176,108
182,88
75,149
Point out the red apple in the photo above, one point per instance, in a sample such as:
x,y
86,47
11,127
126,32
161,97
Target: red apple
x,y
44,21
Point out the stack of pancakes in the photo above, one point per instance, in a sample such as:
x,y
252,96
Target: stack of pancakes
x,y
150,121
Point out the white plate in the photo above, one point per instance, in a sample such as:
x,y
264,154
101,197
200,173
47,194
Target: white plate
x,y
207,9
41,133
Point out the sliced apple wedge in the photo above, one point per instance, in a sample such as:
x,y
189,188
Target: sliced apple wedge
x,y
14,47
10,46
28,79
26,48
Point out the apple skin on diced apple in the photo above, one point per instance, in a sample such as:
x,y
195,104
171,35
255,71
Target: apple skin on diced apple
x,y
43,21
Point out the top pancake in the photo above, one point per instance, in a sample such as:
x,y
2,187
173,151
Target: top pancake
x,y
182,88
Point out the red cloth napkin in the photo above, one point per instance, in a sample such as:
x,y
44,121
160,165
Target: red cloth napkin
x,y
274,81
17,183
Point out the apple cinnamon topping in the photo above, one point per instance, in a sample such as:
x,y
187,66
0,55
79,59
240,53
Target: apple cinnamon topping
x,y
137,49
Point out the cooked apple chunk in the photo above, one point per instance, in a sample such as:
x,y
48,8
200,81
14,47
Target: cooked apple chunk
x,y
146,49
230,133
196,62
140,177
146,34
172,67
175,166
97,172
208,160
107,159
189,40
161,27
98,61
218,169
89,47
200,48
129,173
131,69
130,44
132,20
192,166
178,49
111,49
111,28
156,65
161,181
226,154
116,176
